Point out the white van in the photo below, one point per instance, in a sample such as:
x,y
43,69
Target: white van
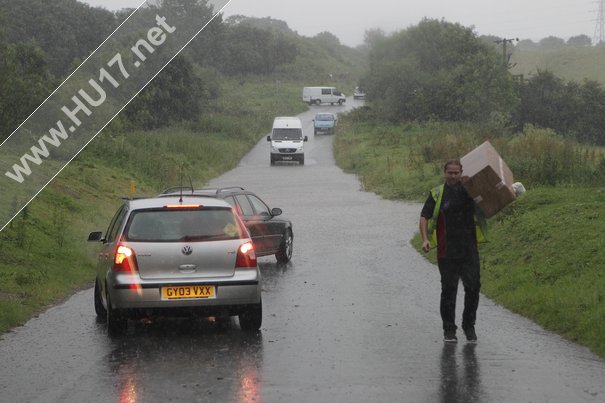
x,y
323,95
287,140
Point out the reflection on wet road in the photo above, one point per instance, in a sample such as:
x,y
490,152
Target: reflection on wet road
x,y
353,318
186,360
460,382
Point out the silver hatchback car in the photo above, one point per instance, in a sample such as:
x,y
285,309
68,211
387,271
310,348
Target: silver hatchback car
x,y
178,255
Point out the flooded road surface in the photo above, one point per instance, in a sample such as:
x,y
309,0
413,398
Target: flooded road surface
x,y
353,318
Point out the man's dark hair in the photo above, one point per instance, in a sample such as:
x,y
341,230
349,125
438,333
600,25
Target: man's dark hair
x,y
451,162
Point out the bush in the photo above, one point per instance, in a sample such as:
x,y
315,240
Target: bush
x,y
542,157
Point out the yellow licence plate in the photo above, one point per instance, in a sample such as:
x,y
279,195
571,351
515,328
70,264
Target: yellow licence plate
x,y
188,291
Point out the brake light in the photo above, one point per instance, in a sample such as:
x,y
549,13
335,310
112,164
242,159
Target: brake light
x,y
183,206
246,257
125,260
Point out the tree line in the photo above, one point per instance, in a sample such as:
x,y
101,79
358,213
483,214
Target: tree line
x,y
435,70
442,71
43,41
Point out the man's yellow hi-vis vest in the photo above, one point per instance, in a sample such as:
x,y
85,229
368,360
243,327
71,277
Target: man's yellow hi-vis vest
x,y
480,222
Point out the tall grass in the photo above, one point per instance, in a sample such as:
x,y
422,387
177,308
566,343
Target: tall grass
x,y
164,157
206,147
542,157
402,160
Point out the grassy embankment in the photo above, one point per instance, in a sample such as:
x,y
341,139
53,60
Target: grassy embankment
x,y
545,258
44,255
569,63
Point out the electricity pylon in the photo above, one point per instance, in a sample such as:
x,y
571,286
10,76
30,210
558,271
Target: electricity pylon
x,y
599,31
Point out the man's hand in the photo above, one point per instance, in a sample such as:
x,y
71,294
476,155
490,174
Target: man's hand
x,y
423,227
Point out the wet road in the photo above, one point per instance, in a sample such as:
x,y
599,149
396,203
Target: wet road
x,y
353,318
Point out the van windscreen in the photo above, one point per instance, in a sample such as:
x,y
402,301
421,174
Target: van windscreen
x,y
287,134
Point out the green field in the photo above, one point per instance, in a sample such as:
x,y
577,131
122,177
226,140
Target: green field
x,y
571,64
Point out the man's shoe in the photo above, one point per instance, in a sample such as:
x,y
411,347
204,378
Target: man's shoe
x,y
471,336
449,336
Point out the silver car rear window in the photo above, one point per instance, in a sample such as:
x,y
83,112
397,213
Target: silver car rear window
x,y
182,225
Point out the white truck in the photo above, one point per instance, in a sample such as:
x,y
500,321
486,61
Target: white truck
x,y
323,95
287,140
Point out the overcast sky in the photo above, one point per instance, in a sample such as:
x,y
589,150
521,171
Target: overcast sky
x,y
348,20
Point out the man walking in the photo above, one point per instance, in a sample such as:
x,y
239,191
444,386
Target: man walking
x,y
450,221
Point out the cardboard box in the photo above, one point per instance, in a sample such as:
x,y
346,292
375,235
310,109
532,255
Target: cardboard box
x,y
490,183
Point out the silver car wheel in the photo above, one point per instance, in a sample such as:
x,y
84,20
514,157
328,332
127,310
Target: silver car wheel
x,y
99,308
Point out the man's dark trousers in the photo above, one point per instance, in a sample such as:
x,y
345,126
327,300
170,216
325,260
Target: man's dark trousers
x,y
453,270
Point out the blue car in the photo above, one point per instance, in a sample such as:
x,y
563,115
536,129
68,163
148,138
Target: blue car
x,y
324,122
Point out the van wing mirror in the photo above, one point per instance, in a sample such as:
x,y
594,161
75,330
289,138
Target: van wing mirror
x,y
305,138
268,138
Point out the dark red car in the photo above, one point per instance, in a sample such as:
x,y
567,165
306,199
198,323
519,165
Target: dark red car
x,y
271,233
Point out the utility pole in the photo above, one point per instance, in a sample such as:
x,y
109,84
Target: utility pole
x,y
599,31
504,41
